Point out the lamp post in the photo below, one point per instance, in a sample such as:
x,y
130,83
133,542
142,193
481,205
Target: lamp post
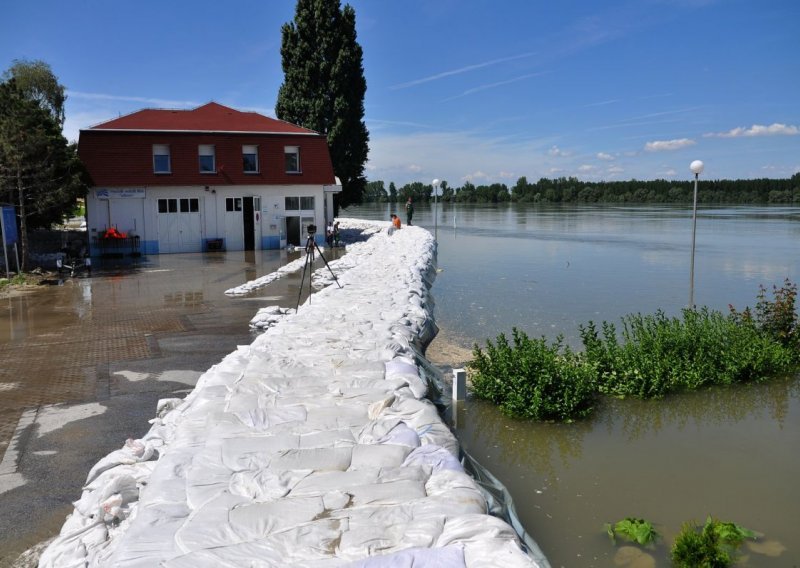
x,y
436,184
697,169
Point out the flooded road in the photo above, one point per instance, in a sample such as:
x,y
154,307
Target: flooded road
x,y
84,363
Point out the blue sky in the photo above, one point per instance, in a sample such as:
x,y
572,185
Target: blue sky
x,y
486,91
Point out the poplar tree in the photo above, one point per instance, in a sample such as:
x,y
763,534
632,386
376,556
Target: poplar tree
x,y
324,87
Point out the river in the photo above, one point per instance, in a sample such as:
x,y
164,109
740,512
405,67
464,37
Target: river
x,y
731,453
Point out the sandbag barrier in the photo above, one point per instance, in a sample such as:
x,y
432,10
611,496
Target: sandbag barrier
x,y
314,446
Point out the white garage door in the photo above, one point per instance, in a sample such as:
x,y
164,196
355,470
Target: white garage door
x,y
179,225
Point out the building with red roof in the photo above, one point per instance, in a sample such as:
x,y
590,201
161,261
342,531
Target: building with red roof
x,y
209,178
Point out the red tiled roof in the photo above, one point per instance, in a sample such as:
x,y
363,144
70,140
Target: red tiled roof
x,y
211,117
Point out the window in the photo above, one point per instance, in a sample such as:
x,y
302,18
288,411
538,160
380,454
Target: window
x,y
292,203
161,163
185,205
250,159
307,203
233,204
206,153
292,158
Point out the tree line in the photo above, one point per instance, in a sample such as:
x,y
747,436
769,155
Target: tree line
x,y
573,190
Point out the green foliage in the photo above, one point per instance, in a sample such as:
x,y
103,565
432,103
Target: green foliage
x,y
638,530
324,87
573,190
776,318
40,173
712,546
36,82
654,355
659,355
532,379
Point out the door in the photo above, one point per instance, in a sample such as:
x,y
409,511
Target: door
x,y
293,231
248,219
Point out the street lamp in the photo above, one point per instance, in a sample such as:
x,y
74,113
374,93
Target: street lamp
x,y
436,184
697,169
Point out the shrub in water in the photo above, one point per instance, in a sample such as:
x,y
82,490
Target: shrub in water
x,y
713,546
777,318
659,355
532,379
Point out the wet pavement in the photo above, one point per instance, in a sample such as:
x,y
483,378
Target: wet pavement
x,y
84,362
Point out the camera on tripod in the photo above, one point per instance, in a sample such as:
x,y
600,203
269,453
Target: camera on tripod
x,y
312,229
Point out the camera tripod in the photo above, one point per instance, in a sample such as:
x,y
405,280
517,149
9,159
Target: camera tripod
x,y
310,247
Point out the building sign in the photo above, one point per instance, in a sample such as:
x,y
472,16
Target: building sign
x,y
119,193
9,225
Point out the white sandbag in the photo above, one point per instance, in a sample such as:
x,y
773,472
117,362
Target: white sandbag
x,y
322,482
255,521
320,459
379,455
390,493
444,557
435,456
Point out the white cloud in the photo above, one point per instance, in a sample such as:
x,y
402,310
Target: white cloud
x,y
585,168
604,156
556,151
669,173
775,129
506,175
662,145
475,176
414,168
615,170
555,170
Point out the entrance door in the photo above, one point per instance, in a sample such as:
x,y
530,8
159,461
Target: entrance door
x,y
249,224
293,231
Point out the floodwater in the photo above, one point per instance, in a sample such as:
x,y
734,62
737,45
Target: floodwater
x,y
730,453
52,340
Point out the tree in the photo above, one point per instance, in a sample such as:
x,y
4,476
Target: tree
x,y
324,87
40,173
375,192
36,81
392,192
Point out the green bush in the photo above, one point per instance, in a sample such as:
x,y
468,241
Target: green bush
x,y
659,355
653,355
532,379
777,318
713,546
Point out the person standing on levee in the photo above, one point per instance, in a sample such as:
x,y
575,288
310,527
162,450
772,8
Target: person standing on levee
x,y
409,211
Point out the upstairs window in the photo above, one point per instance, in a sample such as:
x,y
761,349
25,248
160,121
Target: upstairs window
x,y
250,159
207,162
307,203
161,163
292,159
292,203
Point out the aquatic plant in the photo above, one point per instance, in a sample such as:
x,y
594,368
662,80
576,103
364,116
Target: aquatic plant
x,y
638,530
652,356
659,355
531,379
776,318
712,546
